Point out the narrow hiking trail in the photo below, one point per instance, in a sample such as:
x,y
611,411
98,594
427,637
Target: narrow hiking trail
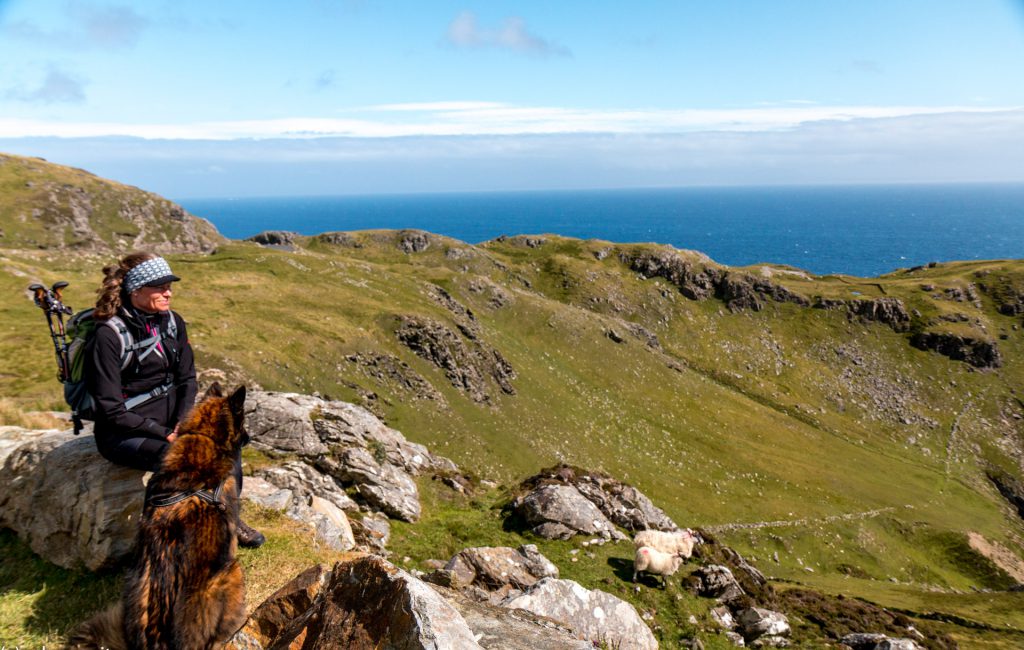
x,y
851,516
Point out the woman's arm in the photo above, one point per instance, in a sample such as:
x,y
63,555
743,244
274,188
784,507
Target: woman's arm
x,y
104,383
184,373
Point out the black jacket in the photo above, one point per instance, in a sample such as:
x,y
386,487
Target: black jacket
x,y
110,387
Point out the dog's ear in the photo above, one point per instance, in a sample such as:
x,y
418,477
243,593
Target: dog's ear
x,y
214,390
237,402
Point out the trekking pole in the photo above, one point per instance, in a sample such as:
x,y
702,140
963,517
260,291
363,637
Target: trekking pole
x,y
51,302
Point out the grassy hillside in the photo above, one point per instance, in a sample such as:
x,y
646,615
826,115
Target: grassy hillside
x,y
820,442
43,205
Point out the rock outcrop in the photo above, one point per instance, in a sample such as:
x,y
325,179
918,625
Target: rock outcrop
x,y
275,238
70,505
75,508
500,628
340,446
414,241
364,603
563,501
495,572
593,615
888,311
715,581
977,352
467,361
560,512
739,291
339,239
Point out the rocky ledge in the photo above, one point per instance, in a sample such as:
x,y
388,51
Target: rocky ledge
x,y
74,508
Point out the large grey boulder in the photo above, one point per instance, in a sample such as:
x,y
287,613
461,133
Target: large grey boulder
x,y
304,480
755,622
291,616
595,615
71,506
329,523
863,640
497,570
560,511
499,628
365,603
385,487
620,503
716,581
345,442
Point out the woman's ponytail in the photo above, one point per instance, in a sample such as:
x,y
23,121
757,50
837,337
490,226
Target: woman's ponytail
x,y
109,295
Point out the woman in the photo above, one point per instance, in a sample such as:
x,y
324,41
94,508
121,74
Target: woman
x,y
142,396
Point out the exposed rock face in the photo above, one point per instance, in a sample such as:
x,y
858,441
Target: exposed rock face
x,y
283,607
738,291
305,481
755,622
329,522
281,238
1009,487
619,503
345,442
593,615
560,511
498,628
391,369
890,311
288,617
499,570
69,504
464,316
869,641
715,581
413,241
365,603
466,360
339,239
863,640
978,353
741,292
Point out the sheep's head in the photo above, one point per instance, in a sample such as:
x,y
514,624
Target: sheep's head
x,y
677,561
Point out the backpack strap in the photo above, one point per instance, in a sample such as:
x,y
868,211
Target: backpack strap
x,y
130,346
124,336
132,402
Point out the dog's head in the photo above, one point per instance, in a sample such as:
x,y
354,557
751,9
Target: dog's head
x,y
220,417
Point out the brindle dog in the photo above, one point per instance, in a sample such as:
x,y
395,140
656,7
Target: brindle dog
x,y
185,590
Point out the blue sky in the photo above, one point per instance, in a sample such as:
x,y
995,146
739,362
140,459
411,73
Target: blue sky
x,y
347,96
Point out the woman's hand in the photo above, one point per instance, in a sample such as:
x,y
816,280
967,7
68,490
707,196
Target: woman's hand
x,y
173,435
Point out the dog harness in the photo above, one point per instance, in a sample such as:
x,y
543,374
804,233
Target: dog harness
x,y
213,498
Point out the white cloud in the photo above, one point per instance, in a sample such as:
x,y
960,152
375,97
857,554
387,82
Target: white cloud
x,y
89,26
57,86
949,147
512,34
108,26
467,119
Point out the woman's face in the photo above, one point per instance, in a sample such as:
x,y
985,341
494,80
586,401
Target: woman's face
x,y
152,299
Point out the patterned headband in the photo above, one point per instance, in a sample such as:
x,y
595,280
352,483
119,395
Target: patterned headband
x,y
149,272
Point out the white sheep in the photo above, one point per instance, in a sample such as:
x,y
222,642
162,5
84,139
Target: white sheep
x,y
651,560
678,542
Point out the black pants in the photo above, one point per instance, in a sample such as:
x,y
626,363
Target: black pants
x,y
146,453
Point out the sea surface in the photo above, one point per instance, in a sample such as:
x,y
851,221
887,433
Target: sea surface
x,y
857,230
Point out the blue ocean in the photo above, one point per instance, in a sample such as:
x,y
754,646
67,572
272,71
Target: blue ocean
x,y
857,230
